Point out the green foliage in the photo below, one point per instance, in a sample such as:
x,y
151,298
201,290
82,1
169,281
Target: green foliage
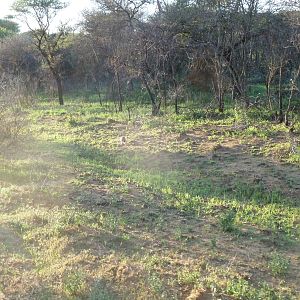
x,y
155,283
242,289
278,264
227,221
8,28
74,283
100,292
188,277
40,6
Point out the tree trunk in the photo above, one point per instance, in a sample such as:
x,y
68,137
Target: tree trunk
x,y
55,74
293,88
217,84
176,105
268,86
120,97
280,95
176,97
220,93
221,102
155,106
59,89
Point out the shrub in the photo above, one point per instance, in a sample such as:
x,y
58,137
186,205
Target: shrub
x,y
11,112
279,265
227,221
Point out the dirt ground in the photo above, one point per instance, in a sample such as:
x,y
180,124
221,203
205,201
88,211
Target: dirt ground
x,y
71,230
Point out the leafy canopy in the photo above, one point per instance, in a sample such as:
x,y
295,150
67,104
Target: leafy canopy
x,y
8,28
26,6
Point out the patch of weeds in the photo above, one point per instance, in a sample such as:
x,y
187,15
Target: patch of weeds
x,y
188,277
278,264
73,216
99,292
241,289
294,158
213,244
269,293
151,261
73,122
47,254
20,226
227,221
44,293
281,240
110,222
279,150
178,235
74,284
257,193
6,192
155,283
257,132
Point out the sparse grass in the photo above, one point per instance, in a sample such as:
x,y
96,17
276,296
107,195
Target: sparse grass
x,y
174,211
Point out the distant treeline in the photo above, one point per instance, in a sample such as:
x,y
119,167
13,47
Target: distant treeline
x,y
223,47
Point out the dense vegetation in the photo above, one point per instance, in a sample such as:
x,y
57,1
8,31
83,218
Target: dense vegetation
x,y
169,166
228,48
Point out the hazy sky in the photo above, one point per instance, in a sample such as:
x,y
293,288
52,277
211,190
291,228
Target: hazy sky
x,y
71,13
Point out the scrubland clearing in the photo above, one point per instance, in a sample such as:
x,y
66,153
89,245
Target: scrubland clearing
x,y
188,207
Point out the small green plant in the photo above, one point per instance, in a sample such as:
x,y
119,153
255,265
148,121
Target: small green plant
x,y
227,221
155,283
178,234
188,277
73,122
99,292
74,283
240,288
213,244
279,265
152,261
110,221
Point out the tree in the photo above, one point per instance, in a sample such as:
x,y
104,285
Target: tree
x,y
108,36
219,40
118,21
293,19
50,45
8,28
19,59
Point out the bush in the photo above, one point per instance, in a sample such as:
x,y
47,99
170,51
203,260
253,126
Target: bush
x,y
227,221
12,97
279,265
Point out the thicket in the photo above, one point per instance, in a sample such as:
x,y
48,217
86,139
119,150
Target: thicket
x,y
235,52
